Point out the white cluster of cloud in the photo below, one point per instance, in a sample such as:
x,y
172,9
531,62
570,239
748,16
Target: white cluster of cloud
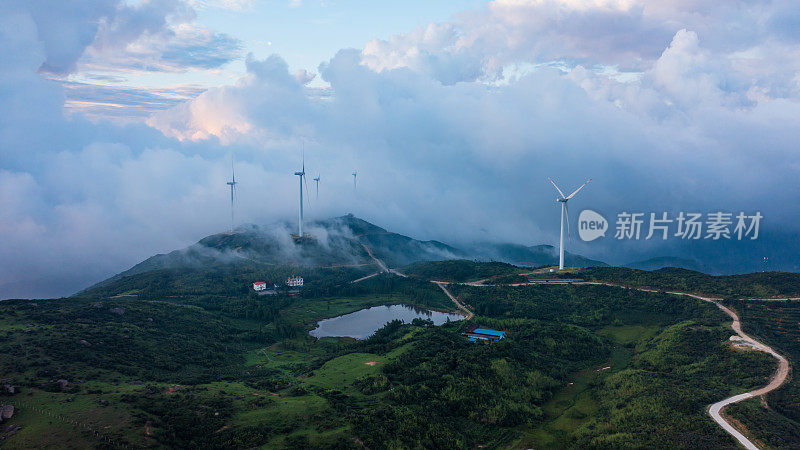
x,y
626,34
453,127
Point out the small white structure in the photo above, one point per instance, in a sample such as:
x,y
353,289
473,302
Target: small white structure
x,y
259,286
294,281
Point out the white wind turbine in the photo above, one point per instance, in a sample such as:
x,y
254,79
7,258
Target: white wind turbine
x,y
302,178
355,173
232,184
563,199
316,180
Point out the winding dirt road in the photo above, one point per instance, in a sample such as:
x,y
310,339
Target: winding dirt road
x,y
716,410
778,378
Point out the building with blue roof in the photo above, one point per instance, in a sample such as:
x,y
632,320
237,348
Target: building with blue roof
x,y
474,332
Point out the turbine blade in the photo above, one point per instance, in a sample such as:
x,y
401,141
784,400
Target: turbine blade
x,y
554,185
576,190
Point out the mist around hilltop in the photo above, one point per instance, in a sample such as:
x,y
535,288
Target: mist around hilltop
x,y
340,241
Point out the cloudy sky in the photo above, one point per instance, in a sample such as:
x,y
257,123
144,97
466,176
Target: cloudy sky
x,y
119,120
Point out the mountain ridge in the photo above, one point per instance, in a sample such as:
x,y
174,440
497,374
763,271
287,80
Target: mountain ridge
x,y
337,241
348,241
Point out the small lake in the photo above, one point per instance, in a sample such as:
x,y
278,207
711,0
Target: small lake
x,y
362,324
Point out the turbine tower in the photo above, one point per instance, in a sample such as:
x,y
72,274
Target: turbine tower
x,y
302,178
316,180
354,179
232,184
563,199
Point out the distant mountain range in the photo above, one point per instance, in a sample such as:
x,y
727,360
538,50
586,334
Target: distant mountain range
x,y
667,261
536,255
348,240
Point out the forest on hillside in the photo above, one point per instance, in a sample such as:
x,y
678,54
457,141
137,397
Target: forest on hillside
x,y
758,284
188,358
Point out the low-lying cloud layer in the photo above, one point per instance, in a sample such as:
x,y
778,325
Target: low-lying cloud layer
x,y
453,128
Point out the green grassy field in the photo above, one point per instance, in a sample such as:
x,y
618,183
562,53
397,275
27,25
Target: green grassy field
x,y
573,405
340,373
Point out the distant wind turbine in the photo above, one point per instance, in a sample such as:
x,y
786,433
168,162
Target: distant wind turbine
x,y
354,179
232,184
302,175
563,199
316,180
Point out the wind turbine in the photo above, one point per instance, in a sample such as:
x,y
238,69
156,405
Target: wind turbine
x,y
564,199
316,180
354,179
232,184
302,175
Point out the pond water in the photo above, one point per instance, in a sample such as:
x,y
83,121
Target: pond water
x,y
362,324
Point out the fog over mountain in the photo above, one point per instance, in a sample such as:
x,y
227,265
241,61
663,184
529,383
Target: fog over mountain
x,y
453,127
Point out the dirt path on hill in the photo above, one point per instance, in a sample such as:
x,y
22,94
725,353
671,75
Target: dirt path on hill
x,y
467,313
365,278
716,410
380,263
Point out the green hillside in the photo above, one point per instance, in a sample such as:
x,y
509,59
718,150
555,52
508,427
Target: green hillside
x,y
337,242
759,284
